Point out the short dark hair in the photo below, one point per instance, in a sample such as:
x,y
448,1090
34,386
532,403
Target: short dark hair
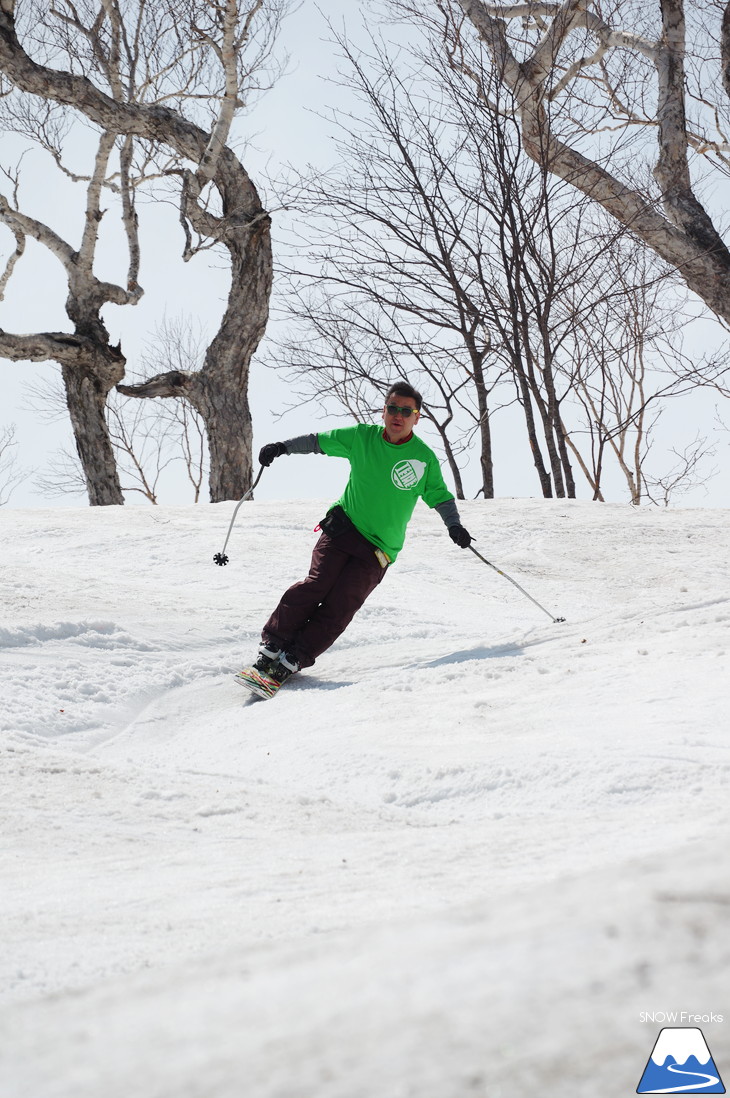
x,y
403,389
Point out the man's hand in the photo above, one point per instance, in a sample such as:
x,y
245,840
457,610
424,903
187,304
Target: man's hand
x,y
460,536
270,451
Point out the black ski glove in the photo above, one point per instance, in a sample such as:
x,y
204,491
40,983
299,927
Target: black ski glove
x,y
461,536
270,451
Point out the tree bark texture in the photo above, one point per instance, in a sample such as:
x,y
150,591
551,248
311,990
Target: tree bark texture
x,y
86,400
725,50
90,369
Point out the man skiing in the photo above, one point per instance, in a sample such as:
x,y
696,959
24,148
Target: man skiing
x,y
362,534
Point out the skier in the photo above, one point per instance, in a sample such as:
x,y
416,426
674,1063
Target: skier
x,y
361,535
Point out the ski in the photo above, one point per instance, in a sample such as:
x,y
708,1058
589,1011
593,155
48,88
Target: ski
x,y
261,685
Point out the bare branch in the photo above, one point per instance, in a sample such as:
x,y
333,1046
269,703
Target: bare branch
x,y
686,474
228,53
129,213
176,383
85,255
30,226
11,475
60,347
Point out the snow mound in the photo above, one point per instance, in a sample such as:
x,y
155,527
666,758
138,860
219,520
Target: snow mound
x,y
95,634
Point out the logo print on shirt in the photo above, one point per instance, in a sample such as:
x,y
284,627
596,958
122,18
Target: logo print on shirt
x,y
406,474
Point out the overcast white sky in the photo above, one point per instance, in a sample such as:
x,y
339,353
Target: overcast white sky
x,y
285,127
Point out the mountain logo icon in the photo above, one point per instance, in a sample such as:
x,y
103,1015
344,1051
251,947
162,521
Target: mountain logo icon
x,y
680,1063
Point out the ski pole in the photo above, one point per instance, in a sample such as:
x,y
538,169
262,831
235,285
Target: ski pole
x,y
221,558
516,584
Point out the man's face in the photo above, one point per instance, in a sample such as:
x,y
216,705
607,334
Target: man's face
x,y
398,425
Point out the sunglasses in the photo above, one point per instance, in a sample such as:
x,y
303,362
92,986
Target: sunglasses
x,y
394,409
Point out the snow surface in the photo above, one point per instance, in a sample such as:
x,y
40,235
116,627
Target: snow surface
x,y
458,857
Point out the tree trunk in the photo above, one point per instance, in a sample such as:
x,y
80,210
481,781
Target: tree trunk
x,y
450,458
565,481
90,368
486,460
526,401
86,400
227,417
221,396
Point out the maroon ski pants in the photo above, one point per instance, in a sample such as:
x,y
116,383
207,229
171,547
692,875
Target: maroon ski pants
x,y
314,612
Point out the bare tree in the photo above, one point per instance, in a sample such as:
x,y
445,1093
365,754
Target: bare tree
x,y
401,252
179,344
148,438
346,350
148,441
11,475
687,472
624,361
161,85
141,445
585,74
187,427
437,250
90,365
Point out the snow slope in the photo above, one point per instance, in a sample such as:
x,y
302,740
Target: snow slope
x,y
460,856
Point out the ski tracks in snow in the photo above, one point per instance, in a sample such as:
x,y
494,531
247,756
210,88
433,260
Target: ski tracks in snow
x,y
456,779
